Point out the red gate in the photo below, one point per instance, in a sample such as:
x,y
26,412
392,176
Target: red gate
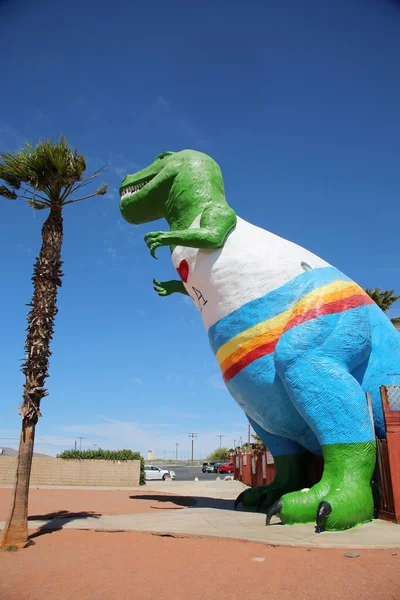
x,y
387,472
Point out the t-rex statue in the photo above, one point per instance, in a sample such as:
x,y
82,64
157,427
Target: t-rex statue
x,y
299,343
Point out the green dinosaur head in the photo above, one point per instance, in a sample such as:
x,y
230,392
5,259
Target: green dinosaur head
x,y
154,192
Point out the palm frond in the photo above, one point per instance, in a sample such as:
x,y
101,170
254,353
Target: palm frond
x,y
49,173
383,299
6,193
102,190
38,204
396,322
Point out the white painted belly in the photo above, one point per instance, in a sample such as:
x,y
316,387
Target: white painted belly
x,y
252,263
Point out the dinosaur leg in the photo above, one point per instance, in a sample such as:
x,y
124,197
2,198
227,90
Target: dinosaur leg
x,y
333,403
291,466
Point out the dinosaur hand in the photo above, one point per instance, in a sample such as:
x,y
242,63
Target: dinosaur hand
x,y
162,288
155,239
166,288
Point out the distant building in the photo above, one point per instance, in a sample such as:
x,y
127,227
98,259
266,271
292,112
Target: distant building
x,y
5,451
151,455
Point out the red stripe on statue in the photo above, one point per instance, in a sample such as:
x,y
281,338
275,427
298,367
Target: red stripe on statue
x,y
319,311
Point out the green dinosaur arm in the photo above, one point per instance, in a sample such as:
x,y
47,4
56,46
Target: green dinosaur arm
x,y
217,222
166,288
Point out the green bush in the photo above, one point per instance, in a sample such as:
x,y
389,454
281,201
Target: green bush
x,y
219,455
101,454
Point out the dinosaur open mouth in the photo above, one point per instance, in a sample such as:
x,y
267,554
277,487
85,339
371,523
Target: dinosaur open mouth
x,y
132,189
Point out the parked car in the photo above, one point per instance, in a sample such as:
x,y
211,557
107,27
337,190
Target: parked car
x,y
217,466
210,467
227,468
214,467
152,473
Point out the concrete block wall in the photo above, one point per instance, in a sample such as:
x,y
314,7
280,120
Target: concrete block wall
x,y
57,471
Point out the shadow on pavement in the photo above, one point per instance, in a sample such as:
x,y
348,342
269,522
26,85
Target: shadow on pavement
x,y
58,520
189,501
178,500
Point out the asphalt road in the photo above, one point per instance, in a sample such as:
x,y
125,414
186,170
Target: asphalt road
x,y
185,473
189,473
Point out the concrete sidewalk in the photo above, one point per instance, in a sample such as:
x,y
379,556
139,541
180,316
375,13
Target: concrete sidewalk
x,y
214,516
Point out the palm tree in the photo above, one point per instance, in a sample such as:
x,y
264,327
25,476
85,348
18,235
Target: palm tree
x,y
46,176
259,442
384,300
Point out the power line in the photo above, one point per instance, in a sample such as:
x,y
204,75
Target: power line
x,y
193,436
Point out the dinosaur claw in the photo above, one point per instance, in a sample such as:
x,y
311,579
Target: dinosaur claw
x,y
261,501
239,499
324,509
274,510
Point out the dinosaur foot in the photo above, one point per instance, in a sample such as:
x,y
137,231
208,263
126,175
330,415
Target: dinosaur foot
x,y
262,496
331,509
343,497
345,507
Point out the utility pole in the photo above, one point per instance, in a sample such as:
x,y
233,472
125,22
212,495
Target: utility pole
x,y
80,438
248,436
192,435
176,446
220,440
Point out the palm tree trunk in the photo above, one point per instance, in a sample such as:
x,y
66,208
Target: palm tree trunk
x,y
46,280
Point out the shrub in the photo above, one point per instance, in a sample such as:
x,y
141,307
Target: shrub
x,y
100,454
219,454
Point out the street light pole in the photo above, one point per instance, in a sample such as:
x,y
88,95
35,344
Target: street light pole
x,y
220,440
193,436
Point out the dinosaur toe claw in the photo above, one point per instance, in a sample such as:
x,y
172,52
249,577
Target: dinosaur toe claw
x,y
274,510
324,509
239,499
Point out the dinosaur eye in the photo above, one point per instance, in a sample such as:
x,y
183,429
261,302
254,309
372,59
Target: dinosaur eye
x,y
163,155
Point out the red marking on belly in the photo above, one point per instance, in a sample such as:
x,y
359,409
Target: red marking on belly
x,y
183,270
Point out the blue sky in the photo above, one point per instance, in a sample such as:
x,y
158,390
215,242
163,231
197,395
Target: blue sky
x,y
297,101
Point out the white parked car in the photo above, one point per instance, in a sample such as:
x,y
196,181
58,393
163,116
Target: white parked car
x,y
153,473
